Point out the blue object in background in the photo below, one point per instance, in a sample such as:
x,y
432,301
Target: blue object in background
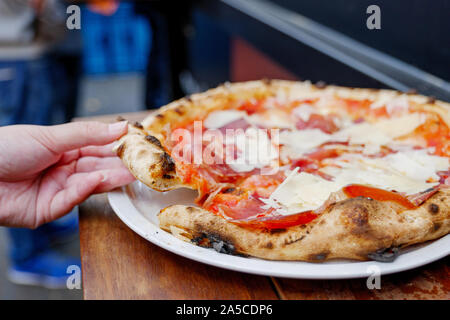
x,y
28,96
119,43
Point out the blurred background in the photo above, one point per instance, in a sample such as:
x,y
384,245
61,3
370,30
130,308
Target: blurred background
x,y
135,55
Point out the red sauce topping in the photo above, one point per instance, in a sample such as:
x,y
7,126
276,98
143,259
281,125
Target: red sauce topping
x,y
278,222
436,134
355,190
252,106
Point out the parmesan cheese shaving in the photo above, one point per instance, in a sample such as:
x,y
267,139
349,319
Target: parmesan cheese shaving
x,y
407,172
298,142
304,111
271,118
371,135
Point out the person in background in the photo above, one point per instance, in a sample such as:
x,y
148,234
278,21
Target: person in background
x,y
29,30
168,58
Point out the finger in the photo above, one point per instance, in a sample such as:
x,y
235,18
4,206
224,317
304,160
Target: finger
x,y
89,164
114,178
98,151
90,151
77,191
77,135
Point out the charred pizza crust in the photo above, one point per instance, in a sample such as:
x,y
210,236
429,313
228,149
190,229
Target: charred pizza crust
x,y
359,228
147,159
356,228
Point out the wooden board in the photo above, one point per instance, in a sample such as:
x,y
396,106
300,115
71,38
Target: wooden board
x,y
428,282
119,264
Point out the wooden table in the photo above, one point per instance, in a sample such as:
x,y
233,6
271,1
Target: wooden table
x,y
119,264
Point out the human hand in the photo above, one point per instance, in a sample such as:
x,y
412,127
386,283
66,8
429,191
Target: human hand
x,y
46,171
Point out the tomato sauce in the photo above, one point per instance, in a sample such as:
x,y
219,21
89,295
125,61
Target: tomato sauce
x,y
353,191
436,134
278,222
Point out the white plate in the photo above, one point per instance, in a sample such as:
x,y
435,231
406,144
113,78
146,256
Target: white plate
x,y
137,206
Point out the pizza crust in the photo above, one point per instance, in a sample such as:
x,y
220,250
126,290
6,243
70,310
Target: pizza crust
x,y
200,104
147,160
358,228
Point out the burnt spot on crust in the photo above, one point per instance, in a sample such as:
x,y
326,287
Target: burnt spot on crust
x,y
436,226
321,84
179,110
167,176
358,215
319,256
167,163
120,118
384,254
433,208
191,209
290,241
275,231
154,141
266,81
138,125
431,99
269,245
411,91
159,116
216,242
120,150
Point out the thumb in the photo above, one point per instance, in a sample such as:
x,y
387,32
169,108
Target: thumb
x,y
69,136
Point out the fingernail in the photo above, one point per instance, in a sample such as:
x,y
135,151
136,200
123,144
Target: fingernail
x,y
117,128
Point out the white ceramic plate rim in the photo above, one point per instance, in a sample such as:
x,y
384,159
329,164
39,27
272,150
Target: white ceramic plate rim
x,y
134,219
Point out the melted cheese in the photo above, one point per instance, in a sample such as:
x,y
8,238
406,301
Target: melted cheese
x,y
300,192
381,132
406,172
394,104
304,111
371,135
254,150
298,142
271,118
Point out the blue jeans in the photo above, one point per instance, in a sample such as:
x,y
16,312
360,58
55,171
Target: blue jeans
x,y
26,97
26,92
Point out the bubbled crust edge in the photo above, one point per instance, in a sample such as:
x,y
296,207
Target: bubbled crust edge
x,y
354,228
146,158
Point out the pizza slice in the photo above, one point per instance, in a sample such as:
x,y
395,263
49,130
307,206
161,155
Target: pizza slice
x,y
291,171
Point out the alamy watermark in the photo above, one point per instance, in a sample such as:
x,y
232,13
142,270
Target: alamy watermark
x,y
374,279
73,21
74,279
241,150
374,20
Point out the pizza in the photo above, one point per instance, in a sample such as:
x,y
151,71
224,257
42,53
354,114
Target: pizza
x,y
294,171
